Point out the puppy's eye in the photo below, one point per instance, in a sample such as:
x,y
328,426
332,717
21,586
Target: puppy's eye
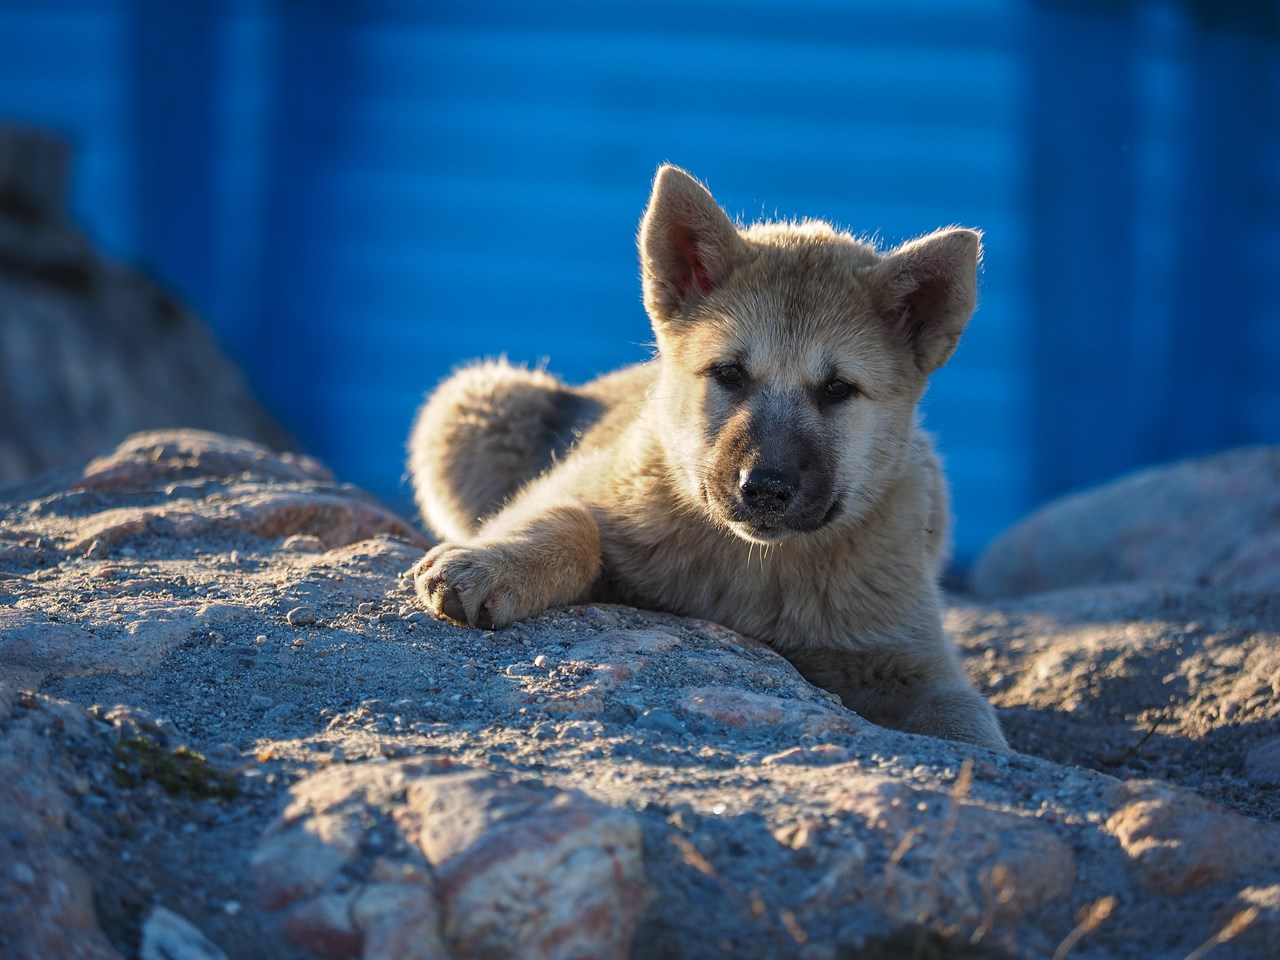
x,y
837,389
729,374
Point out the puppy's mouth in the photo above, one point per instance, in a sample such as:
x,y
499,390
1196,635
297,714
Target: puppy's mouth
x,y
754,533
768,526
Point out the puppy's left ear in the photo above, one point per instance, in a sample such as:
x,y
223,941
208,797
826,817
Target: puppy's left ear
x,y
930,287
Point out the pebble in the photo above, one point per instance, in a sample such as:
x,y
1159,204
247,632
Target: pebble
x,y
660,719
301,616
388,616
303,543
366,608
23,874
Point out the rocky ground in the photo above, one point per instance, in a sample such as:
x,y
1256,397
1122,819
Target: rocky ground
x,y
225,730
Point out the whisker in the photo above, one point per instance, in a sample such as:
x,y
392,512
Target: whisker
x,y
930,462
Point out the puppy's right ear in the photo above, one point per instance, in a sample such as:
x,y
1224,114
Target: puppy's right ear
x,y
688,246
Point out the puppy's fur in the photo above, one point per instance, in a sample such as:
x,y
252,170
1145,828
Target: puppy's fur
x,y
766,471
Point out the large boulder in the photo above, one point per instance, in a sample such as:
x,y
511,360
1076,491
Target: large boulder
x,y
93,350
1213,521
225,730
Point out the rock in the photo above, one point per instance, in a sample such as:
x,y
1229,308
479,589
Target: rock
x,y
525,872
46,885
597,781
1179,843
1214,521
823,753
516,871
290,865
301,617
735,707
400,921
166,936
92,349
325,925
189,462
942,848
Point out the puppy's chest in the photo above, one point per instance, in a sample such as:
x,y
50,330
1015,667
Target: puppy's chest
x,y
784,597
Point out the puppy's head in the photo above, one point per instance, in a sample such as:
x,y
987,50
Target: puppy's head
x,y
792,356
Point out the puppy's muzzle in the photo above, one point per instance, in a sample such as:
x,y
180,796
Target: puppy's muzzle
x,y
767,492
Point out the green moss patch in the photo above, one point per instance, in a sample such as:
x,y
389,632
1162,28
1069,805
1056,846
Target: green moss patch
x,y
181,771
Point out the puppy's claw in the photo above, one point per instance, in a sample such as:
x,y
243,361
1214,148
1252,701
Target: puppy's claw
x,y
451,606
484,616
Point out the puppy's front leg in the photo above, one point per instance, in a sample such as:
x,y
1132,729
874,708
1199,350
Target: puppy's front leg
x,y
515,568
920,691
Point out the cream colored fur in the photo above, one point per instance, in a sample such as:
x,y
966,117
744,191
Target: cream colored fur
x,y
766,471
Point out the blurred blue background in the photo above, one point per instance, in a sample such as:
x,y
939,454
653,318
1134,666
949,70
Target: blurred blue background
x,y
360,195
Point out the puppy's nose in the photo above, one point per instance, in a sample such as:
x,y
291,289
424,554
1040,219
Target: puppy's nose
x,y
767,488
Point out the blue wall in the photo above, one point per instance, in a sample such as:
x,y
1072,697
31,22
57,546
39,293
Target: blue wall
x,y
360,195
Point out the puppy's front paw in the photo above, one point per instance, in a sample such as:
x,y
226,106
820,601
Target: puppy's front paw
x,y
957,714
471,586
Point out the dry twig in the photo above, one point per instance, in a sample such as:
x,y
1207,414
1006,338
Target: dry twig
x,y
1229,932
1092,919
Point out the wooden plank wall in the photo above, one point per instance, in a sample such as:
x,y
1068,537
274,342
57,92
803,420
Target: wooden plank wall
x,y
360,195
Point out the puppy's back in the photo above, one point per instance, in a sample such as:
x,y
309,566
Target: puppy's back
x,y
483,434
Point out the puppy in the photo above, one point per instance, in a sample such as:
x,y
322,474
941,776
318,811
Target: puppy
x,y
766,471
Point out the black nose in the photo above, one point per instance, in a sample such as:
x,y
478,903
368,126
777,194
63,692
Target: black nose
x,y
765,488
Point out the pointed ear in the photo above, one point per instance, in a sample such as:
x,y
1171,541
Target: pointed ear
x,y
688,246
930,289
